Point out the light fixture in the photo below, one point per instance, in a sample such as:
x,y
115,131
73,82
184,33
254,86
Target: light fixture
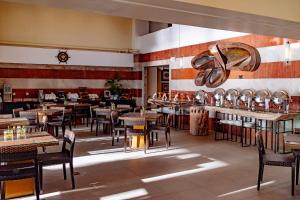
x,y
287,52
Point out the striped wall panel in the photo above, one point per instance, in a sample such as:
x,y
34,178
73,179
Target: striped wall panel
x,y
253,40
27,79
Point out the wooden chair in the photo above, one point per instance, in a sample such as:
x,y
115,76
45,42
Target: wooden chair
x,y
117,127
92,116
162,130
272,159
19,163
63,121
63,157
16,112
103,118
33,119
81,111
133,128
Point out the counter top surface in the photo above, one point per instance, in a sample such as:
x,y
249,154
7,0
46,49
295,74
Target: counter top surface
x,y
272,116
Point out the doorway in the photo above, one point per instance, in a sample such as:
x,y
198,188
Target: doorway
x,y
156,80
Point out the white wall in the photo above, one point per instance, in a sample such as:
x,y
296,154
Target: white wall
x,y
32,55
179,36
169,38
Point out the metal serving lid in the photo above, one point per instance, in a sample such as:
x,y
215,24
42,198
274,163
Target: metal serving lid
x,y
218,93
201,95
279,97
232,94
246,94
261,95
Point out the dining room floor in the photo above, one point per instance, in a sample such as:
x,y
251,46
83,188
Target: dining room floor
x,y
194,167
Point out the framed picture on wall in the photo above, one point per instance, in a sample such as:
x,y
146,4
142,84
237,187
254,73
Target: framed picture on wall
x,y
106,93
165,87
165,75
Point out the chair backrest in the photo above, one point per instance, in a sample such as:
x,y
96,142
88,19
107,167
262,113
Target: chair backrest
x,y
260,145
169,120
18,153
69,142
16,112
123,106
114,116
67,115
92,111
57,107
103,114
6,116
82,108
32,116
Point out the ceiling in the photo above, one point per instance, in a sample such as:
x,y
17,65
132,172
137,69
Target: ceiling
x,y
181,12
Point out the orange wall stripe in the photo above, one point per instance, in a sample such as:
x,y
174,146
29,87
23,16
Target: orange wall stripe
x,y
253,40
33,93
266,70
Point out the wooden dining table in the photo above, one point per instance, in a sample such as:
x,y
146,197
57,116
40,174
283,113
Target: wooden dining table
x,y
36,139
107,110
18,188
9,122
292,141
148,117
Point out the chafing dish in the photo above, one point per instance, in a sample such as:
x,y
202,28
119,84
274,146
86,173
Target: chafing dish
x,y
232,96
263,97
246,96
219,96
201,97
279,97
282,99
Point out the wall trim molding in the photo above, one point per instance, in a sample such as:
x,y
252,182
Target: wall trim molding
x,y
67,47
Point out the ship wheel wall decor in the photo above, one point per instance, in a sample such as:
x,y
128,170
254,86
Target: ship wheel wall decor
x,y
214,65
63,56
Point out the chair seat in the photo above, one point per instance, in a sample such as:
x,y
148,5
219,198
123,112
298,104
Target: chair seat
x,y
279,159
135,132
119,127
155,128
55,123
53,158
17,171
104,121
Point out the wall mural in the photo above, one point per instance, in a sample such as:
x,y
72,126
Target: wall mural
x,y
214,65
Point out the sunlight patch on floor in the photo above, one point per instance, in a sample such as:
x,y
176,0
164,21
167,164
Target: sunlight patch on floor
x,y
200,168
91,160
185,156
58,193
245,189
93,139
106,151
126,195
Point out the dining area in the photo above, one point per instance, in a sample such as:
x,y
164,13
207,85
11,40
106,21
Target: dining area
x,y
162,100
27,135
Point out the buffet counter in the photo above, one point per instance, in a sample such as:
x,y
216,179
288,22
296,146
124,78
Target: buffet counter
x,y
277,119
263,115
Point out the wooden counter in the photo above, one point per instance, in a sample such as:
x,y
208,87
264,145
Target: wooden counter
x,y
263,115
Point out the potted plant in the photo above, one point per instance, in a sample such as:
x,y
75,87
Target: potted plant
x,y
114,86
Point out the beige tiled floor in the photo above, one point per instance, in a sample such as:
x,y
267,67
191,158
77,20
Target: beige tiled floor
x,y
195,167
